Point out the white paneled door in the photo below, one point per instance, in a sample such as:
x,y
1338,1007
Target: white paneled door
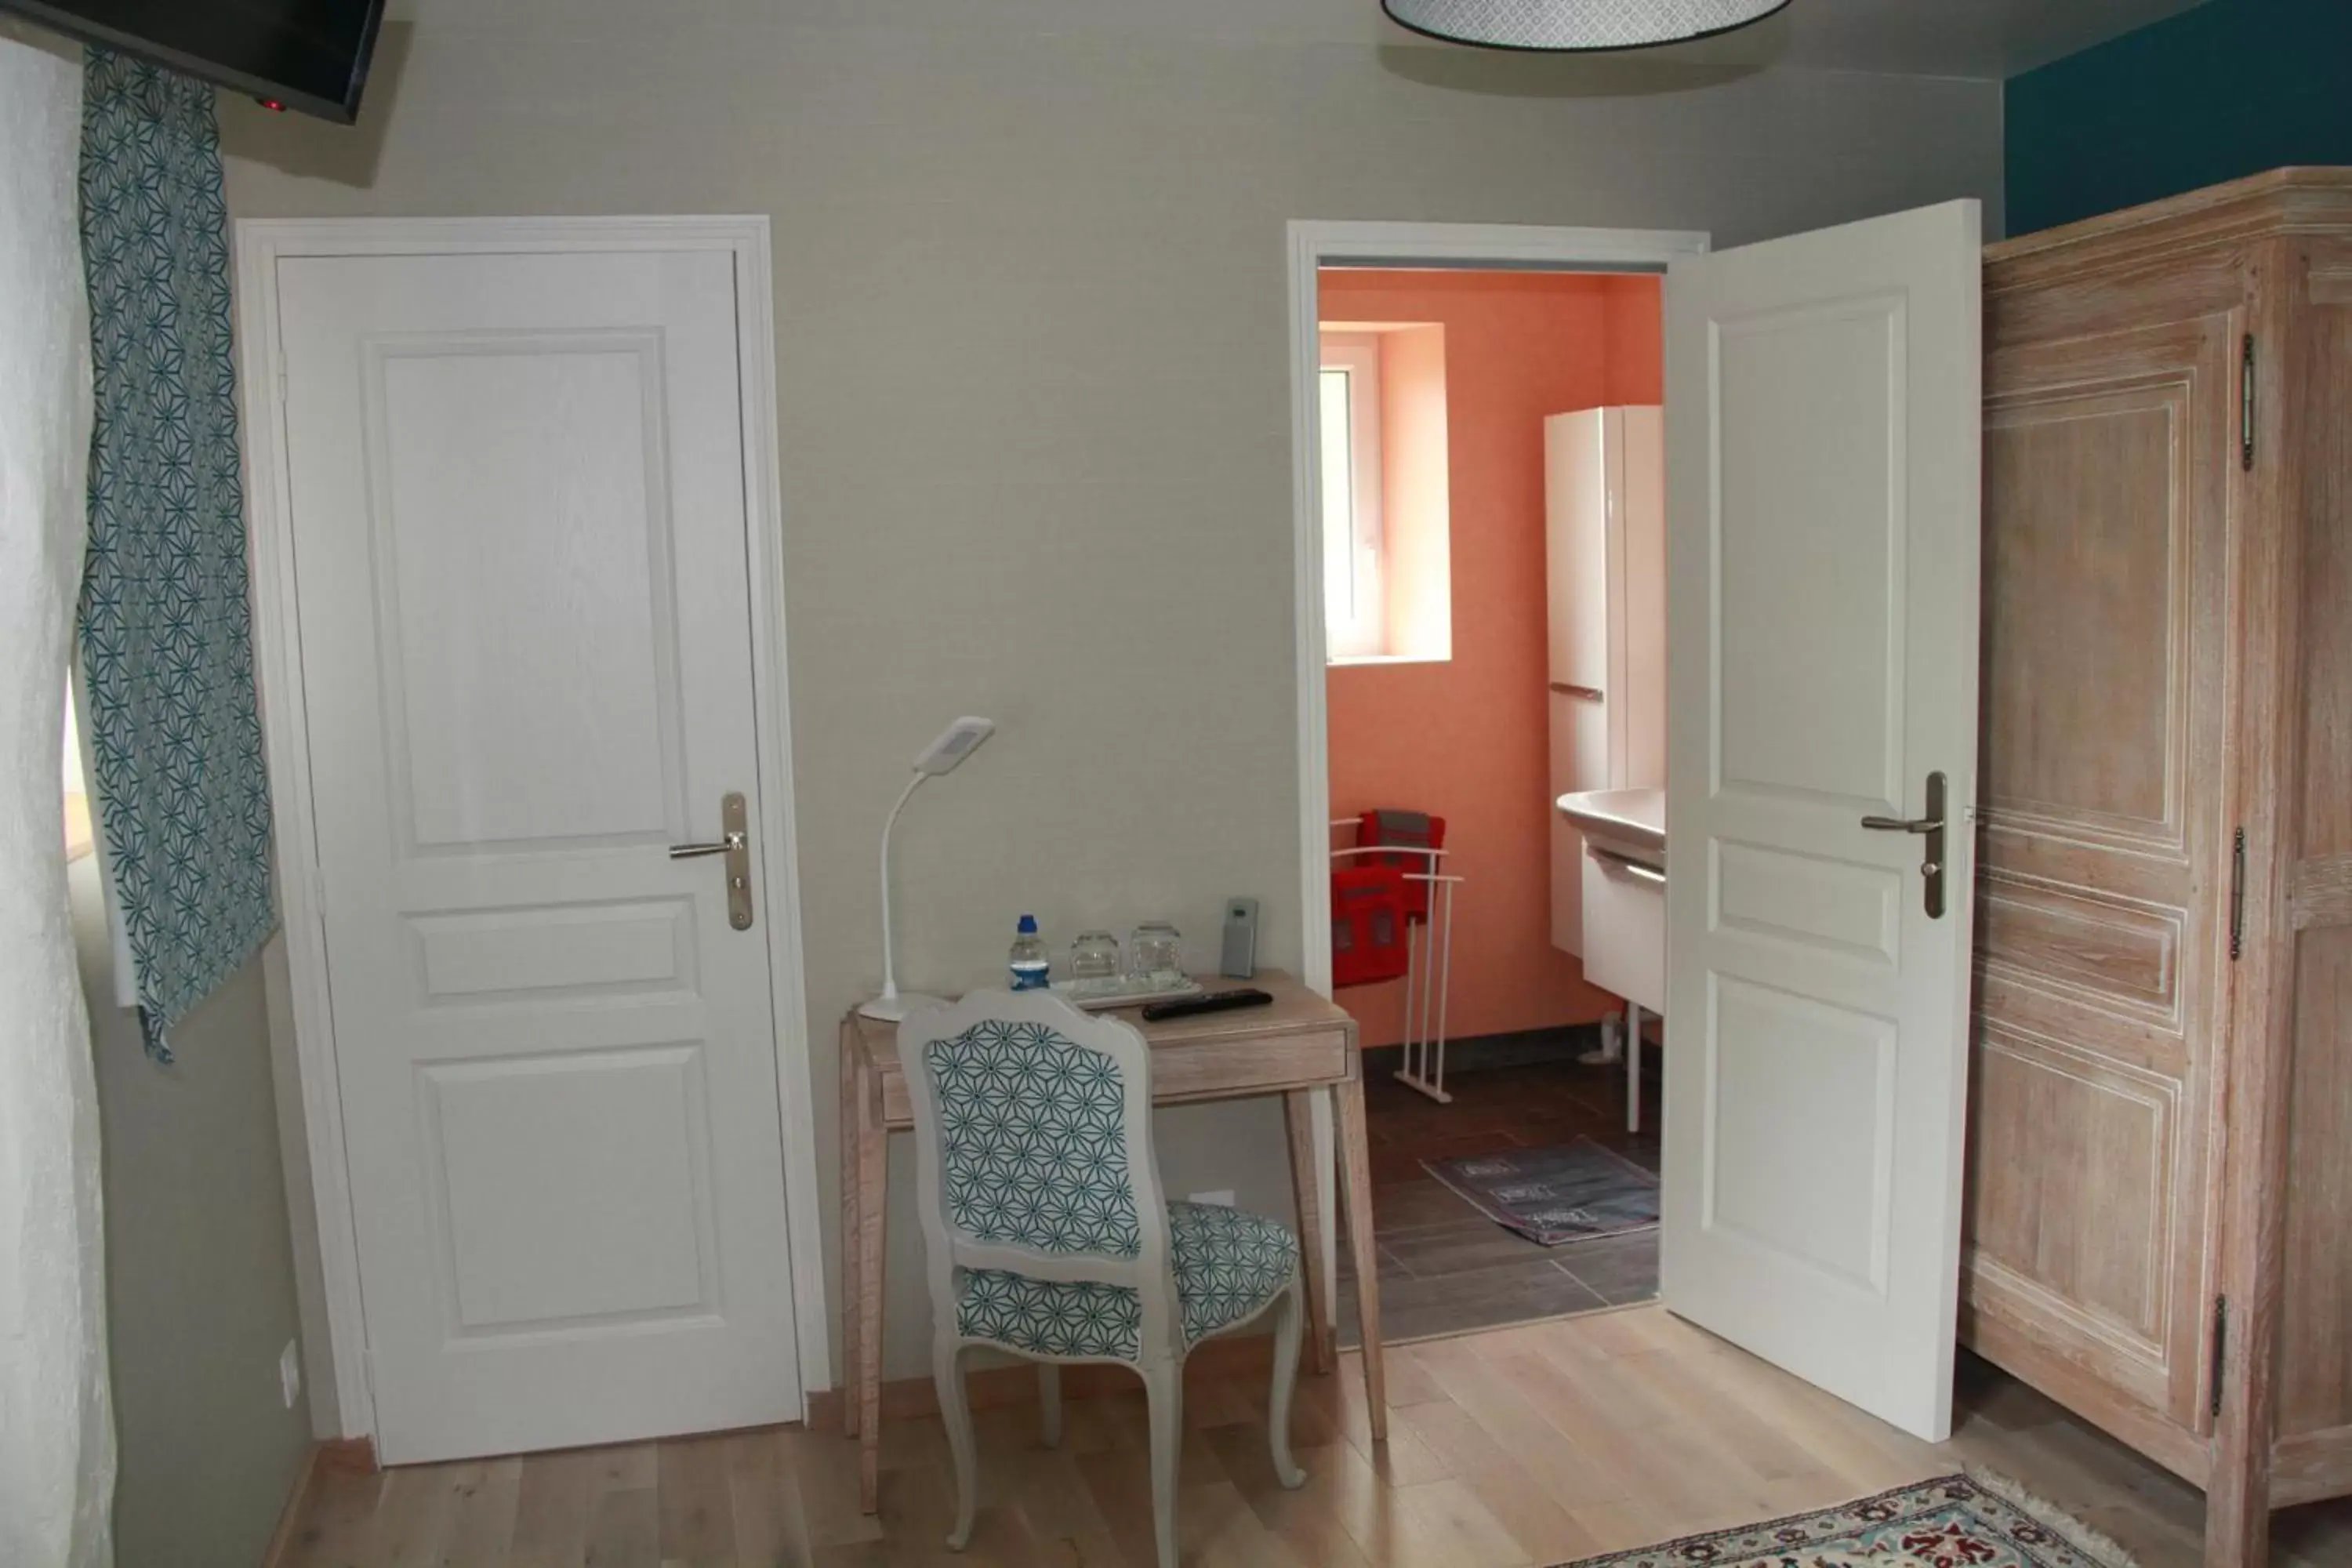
x,y
517,506
1823,478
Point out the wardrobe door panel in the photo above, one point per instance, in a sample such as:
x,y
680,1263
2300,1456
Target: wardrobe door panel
x,y
2315,1321
2103,855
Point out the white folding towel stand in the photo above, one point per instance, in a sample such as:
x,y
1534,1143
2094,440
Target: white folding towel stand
x,y
1429,966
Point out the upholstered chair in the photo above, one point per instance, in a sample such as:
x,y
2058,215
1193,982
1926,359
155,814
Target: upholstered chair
x,y
1047,1234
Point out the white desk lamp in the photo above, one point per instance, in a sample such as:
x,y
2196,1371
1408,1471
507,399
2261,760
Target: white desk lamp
x,y
944,755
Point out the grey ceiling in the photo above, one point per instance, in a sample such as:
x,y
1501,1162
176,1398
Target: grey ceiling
x,y
1990,39
1956,37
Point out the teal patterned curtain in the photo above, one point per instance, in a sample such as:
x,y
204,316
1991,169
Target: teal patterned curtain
x,y
166,632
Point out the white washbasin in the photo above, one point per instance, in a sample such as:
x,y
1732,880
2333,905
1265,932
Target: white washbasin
x,y
1629,818
1624,889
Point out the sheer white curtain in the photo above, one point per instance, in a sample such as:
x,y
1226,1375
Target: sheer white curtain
x,y
57,1431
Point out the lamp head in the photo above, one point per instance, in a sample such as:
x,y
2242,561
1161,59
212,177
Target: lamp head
x,y
957,742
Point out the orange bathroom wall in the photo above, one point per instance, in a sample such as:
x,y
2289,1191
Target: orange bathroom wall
x,y
1636,373
1466,739
1416,509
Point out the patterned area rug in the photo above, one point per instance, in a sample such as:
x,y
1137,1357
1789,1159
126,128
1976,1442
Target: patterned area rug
x,y
1960,1521
1567,1192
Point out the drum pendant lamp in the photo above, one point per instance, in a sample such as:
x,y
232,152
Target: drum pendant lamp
x,y
1571,26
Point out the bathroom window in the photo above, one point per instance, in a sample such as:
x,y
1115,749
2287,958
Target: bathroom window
x,y
1355,609
1388,596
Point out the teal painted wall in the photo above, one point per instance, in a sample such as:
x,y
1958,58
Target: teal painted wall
x,y
2232,88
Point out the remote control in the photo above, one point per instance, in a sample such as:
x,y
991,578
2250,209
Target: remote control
x,y
1214,1002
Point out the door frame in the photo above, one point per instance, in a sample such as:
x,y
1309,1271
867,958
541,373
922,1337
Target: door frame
x,y
1314,245
261,244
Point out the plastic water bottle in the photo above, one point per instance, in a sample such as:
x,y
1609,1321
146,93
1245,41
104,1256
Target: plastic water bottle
x,y
1032,970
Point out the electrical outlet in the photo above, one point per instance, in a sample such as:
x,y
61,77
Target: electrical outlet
x,y
290,1373
1223,1198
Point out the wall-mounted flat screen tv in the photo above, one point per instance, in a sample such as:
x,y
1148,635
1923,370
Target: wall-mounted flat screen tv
x,y
311,55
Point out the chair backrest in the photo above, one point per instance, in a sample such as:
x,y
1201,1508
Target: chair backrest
x,y
1033,1139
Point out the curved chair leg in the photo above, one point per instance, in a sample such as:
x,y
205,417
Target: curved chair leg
x,y
1289,1320
1164,1388
955,1413
1049,1402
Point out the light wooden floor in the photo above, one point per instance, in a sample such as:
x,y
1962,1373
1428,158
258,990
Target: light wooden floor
x,y
1525,1445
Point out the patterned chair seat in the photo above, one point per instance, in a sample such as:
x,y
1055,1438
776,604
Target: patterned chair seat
x,y
1229,1264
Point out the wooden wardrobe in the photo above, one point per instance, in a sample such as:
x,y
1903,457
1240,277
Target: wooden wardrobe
x,y
2160,1228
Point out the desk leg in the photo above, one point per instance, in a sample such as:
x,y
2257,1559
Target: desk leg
x,y
853,1229
1356,1191
874,1204
1299,1111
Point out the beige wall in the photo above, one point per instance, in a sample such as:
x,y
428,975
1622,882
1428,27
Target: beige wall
x,y
1035,412
199,1269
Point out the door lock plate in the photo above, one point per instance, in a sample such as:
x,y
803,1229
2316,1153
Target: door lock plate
x,y
734,821
735,843
1931,828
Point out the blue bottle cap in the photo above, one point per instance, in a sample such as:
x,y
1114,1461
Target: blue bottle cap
x,y
1028,925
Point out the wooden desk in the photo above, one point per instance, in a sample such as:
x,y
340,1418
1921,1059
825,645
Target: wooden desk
x,y
1300,1046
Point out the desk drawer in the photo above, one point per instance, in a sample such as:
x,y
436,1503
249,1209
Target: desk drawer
x,y
1203,1070
1228,1070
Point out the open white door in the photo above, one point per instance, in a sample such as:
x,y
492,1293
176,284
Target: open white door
x,y
1822,459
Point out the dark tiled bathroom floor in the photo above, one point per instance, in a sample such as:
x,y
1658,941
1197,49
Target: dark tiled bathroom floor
x,y
1446,1268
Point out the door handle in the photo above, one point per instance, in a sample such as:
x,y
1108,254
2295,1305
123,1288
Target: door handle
x,y
734,842
1931,828
727,846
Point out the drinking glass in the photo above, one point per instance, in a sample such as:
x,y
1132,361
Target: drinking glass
x,y
1156,952
1094,957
